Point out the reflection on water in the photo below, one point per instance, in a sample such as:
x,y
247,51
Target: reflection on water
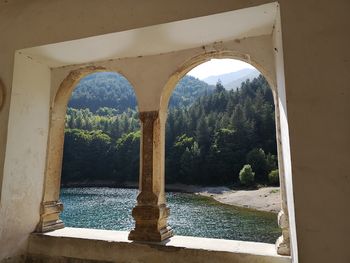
x,y
191,215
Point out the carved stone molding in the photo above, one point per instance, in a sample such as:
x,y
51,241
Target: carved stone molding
x,y
151,223
49,216
283,242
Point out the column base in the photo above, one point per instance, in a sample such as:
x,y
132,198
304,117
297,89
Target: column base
x,y
49,218
49,226
151,223
282,247
283,242
152,236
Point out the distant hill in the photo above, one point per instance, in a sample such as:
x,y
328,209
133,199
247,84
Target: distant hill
x,y
233,80
112,90
188,90
103,89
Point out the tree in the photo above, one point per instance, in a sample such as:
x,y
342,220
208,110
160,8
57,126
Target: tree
x,y
181,162
257,159
274,177
87,156
202,134
271,162
219,87
246,175
127,157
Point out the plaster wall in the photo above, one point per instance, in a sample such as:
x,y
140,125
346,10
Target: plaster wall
x,y
316,68
153,84
25,162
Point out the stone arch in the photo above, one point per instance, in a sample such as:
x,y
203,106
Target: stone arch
x,y
283,243
51,207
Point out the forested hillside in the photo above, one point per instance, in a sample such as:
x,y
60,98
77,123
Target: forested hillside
x,y
111,90
211,133
105,89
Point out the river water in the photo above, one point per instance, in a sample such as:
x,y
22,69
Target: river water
x,y
191,215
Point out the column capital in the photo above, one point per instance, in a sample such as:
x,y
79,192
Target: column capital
x,y
150,116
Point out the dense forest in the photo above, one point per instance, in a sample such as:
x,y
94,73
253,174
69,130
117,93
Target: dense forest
x,y
211,133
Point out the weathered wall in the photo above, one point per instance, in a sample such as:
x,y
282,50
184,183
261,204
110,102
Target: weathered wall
x,y
317,74
79,244
316,66
151,82
25,163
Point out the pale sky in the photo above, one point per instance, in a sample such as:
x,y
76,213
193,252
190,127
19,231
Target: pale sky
x,y
218,67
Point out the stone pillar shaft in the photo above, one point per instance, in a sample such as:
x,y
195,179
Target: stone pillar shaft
x,y
151,213
51,206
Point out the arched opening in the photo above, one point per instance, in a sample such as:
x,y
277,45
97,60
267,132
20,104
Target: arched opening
x,y
95,115
255,151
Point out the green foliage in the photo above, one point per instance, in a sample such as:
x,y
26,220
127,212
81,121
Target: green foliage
x,y
210,133
271,162
219,87
87,155
107,112
127,157
115,125
257,159
274,178
246,175
113,91
227,125
184,164
187,91
104,89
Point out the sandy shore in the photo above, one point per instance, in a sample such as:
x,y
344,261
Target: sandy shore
x,y
266,199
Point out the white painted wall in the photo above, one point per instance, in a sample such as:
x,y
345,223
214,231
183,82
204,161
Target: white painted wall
x,y
25,155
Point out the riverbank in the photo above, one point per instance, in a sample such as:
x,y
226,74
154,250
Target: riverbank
x,y
266,199
263,199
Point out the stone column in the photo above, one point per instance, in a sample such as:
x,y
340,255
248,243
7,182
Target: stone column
x,y
283,242
151,213
51,206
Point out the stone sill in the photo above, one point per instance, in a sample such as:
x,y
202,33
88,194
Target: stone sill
x,y
92,245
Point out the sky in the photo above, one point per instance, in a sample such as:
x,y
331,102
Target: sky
x,y
218,67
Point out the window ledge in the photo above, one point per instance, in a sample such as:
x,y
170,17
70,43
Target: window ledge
x,y
113,246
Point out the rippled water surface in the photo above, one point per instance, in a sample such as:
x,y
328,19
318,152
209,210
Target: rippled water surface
x,y
191,215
